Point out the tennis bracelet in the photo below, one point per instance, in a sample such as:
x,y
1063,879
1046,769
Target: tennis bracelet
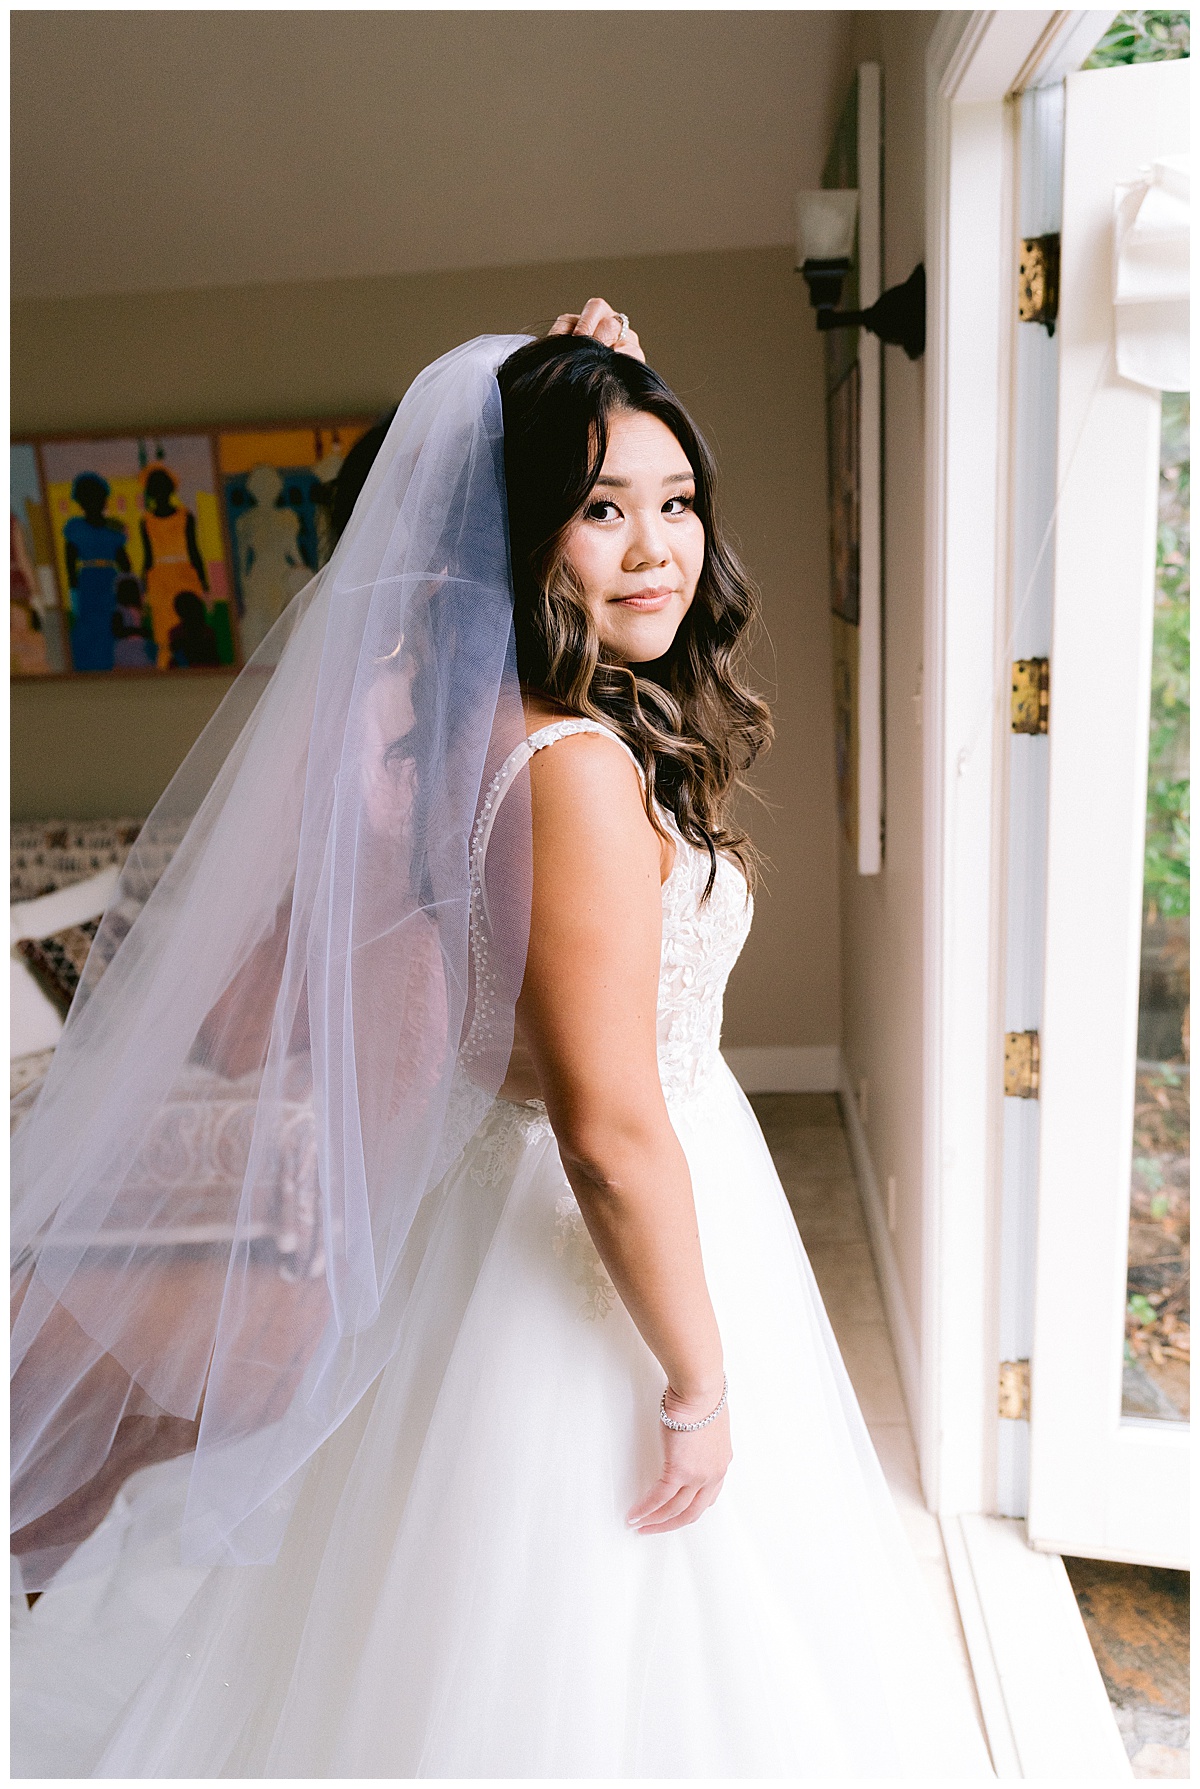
x,y
669,1422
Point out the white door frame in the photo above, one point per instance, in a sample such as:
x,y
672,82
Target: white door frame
x,y
975,65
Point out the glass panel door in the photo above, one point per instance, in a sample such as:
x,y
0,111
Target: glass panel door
x,y
1157,1315
1108,1436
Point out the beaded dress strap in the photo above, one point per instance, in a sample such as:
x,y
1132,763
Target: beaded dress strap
x,y
506,775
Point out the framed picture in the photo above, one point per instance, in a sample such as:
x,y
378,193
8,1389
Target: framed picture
x,y
845,521
854,403
139,552
274,482
165,551
38,633
845,724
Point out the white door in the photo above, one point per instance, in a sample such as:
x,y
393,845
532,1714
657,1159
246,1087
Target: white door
x,y
1108,1465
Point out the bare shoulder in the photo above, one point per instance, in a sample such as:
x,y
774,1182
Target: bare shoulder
x,y
594,852
589,771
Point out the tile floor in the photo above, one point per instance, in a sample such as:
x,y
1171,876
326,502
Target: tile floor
x,y
1137,1619
808,1143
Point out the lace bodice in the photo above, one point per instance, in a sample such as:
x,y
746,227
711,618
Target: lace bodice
x,y
700,942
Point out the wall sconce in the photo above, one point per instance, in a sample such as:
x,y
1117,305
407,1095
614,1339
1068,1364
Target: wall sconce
x,y
825,223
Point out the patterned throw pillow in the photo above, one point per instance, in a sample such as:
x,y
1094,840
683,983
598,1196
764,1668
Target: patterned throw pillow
x,y
48,854
57,961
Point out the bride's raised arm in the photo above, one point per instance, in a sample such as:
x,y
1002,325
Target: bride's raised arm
x,y
587,1017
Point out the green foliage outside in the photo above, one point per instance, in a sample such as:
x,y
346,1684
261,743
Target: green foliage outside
x,y
1151,1335
1168,814
1143,37
1163,37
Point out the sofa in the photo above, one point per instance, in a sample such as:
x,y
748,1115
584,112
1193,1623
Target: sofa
x,y
190,1169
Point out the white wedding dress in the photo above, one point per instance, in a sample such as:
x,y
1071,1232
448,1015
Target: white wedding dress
x,y
458,1594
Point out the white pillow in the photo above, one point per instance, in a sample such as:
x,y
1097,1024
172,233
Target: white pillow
x,y
34,1021
68,906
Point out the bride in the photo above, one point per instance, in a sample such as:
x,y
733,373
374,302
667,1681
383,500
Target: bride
x,y
496,1407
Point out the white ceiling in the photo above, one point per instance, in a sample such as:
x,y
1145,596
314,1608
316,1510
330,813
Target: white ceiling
x,y
157,149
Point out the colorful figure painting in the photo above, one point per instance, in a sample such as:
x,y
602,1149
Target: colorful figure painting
x,y
274,483
136,534
37,636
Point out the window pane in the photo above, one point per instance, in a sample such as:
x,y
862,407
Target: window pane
x,y
1157,1313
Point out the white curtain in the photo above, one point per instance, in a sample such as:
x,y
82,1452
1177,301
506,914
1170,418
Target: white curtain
x,y
1151,275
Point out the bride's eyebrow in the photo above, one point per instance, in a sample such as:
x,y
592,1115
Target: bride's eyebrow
x,y
672,478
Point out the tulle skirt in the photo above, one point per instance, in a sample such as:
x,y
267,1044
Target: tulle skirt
x,y
458,1594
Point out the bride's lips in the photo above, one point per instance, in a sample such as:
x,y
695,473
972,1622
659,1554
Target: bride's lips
x,y
655,596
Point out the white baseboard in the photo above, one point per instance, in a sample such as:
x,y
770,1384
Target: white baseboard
x,y
904,1340
786,1068
1044,1705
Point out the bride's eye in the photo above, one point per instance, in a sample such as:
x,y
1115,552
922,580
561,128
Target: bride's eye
x,y
595,512
679,506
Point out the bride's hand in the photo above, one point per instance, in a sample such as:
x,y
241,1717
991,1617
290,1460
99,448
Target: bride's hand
x,y
694,1468
603,324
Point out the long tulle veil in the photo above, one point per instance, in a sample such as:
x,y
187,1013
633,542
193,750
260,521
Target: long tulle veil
x,y
259,1079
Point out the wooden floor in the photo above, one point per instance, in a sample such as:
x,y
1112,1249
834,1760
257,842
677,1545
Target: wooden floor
x,y
808,1144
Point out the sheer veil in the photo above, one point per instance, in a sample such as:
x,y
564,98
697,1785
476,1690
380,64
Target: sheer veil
x,y
260,1077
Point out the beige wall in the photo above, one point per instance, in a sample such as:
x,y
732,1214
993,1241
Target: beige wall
x,y
730,330
355,142
882,916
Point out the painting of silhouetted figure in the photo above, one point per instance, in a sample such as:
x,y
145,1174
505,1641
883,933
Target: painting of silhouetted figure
x,y
161,501
38,635
193,639
28,656
270,565
171,559
275,484
96,556
133,636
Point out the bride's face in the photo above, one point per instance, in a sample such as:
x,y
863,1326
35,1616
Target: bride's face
x,y
638,548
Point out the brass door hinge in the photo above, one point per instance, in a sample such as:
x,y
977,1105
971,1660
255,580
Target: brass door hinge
x,y
1014,1389
1022,1064
1031,695
1037,281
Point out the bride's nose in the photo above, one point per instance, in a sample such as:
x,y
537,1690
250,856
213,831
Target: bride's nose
x,y
648,543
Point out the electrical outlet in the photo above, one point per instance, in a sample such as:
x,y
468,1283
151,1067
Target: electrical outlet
x,y
891,1202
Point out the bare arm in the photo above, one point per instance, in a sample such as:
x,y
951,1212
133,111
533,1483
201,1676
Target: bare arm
x,y
587,1015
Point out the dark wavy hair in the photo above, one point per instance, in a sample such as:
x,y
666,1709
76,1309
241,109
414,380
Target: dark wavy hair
x,y
691,720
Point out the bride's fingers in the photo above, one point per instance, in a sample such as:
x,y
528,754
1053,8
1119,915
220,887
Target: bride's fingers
x,y
585,322
600,321
704,1499
669,1510
606,328
632,346
657,1497
683,1518
664,1511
